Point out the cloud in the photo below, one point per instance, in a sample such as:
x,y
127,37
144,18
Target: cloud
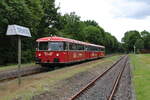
x,y
115,16
137,9
146,1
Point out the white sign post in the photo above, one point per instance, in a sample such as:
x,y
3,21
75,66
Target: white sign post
x,y
134,48
18,31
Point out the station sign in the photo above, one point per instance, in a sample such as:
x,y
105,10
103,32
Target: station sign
x,y
18,30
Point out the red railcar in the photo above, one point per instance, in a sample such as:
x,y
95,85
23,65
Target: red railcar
x,y
56,50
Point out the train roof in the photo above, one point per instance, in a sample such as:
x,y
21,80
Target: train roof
x,y
56,38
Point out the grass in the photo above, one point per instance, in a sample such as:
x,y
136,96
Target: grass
x,y
34,85
13,66
141,71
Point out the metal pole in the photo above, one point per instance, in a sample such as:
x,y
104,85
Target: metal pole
x,y
19,60
134,49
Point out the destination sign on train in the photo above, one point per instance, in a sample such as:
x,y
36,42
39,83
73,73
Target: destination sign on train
x,y
18,30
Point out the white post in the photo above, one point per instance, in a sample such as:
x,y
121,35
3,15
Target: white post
x,y
19,60
18,31
134,49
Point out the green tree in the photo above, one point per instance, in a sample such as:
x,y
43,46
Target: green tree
x,y
50,21
130,39
91,22
146,38
42,18
38,15
93,34
139,44
111,43
71,26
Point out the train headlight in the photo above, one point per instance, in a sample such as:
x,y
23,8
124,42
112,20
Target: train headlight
x,y
39,54
57,54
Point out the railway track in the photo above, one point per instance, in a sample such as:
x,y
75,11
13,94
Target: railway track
x,y
12,74
105,85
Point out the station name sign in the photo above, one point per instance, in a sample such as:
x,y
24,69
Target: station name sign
x,y
18,30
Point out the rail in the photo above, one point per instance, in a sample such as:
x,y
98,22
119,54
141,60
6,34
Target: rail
x,y
94,80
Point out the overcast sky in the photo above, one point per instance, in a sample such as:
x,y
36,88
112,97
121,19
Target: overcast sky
x,y
115,16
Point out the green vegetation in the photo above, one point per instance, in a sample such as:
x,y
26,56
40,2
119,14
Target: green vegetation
x,y
35,14
34,85
43,19
141,71
137,39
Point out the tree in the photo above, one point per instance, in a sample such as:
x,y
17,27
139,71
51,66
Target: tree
x,y
91,22
130,39
93,34
50,21
139,44
35,14
42,18
111,43
71,26
146,38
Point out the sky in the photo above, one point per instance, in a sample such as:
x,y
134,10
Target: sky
x,y
115,16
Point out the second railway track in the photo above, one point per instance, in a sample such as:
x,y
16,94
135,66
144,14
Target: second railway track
x,y
12,74
105,85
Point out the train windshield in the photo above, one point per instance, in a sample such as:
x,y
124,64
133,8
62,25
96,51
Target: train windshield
x,y
55,46
51,46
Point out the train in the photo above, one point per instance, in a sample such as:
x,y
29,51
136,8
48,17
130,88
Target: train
x,y
60,50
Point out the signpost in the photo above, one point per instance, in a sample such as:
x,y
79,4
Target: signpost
x,y
18,31
134,49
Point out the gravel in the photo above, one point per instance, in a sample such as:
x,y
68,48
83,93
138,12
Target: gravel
x,y
68,87
124,90
102,88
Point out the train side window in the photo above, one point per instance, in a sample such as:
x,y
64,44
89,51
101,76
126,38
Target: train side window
x,y
86,48
89,48
92,48
80,47
96,49
99,49
65,46
72,46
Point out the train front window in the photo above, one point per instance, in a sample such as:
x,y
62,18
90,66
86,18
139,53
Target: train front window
x,y
56,46
52,46
43,46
